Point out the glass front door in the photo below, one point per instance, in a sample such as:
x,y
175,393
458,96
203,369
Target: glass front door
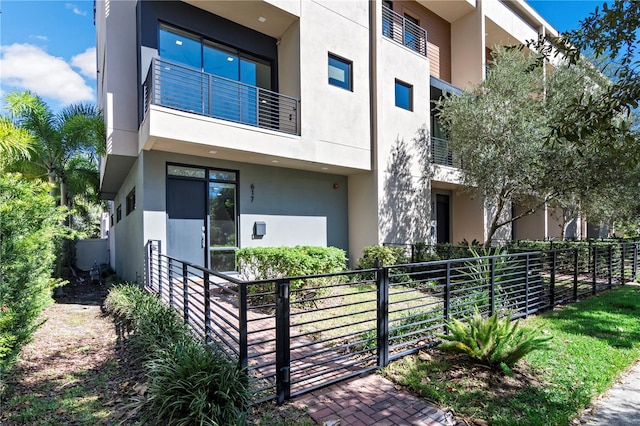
x,y
223,235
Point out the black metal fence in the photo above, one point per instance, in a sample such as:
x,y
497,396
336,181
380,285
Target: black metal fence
x,y
296,334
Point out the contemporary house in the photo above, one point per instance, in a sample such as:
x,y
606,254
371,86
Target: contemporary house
x,y
284,122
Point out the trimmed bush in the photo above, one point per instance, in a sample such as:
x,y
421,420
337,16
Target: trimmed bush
x,y
261,263
387,255
29,225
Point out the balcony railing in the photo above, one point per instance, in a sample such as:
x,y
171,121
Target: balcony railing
x,y
179,87
403,31
441,154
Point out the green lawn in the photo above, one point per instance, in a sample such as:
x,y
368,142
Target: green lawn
x,y
594,341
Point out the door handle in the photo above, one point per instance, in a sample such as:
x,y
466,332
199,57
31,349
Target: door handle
x,y
202,241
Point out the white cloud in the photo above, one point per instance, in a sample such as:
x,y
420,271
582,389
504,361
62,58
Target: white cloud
x,y
28,67
39,37
76,10
86,62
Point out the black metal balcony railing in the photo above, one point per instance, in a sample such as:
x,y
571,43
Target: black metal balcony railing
x,y
183,88
403,31
441,154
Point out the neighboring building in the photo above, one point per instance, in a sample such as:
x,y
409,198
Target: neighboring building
x,y
283,122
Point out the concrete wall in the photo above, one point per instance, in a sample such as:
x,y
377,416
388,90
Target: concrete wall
x,y
128,233
467,217
91,250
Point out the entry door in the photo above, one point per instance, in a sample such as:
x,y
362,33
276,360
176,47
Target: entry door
x,y
186,220
223,227
442,218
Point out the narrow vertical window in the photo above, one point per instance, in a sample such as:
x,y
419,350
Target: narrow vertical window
x,y
131,201
119,213
340,72
404,95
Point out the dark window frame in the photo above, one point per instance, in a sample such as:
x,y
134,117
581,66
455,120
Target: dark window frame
x,y
131,201
348,85
409,101
119,213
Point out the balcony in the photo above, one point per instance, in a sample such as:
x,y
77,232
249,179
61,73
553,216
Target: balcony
x,y
403,31
183,88
442,155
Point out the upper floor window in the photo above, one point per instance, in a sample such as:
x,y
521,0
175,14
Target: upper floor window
x,y
340,72
404,95
214,58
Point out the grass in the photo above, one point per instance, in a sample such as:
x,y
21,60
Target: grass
x,y
594,341
350,309
79,396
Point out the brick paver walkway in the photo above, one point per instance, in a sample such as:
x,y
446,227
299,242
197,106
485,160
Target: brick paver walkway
x,y
371,400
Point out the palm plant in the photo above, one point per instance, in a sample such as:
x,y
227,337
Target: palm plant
x,y
15,142
493,341
58,140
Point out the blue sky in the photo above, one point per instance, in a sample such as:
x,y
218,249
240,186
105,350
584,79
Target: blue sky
x,y
48,46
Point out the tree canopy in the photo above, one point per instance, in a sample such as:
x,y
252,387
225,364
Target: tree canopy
x,y
610,35
503,130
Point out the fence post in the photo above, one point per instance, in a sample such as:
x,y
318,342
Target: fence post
x,y
283,355
447,295
382,326
147,261
622,259
171,282
575,274
159,253
492,286
595,266
159,278
185,293
207,307
635,261
526,283
610,267
552,287
243,350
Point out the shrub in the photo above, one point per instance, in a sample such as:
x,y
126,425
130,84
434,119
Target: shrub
x,y
492,341
387,255
29,224
189,381
261,263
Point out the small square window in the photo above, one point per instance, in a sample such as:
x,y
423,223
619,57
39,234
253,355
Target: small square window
x,y
340,72
131,201
404,95
119,213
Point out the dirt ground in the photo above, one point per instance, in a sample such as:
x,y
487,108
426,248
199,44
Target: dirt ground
x,y
75,371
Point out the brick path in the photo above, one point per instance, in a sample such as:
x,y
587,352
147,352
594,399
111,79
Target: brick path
x,y
371,400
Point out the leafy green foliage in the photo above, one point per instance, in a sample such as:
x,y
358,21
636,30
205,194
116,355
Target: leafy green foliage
x,y
494,341
28,227
189,382
277,262
258,263
387,256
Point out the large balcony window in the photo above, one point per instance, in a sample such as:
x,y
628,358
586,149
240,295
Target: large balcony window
x,y
404,30
207,78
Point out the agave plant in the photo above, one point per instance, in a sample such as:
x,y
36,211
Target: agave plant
x,y
493,341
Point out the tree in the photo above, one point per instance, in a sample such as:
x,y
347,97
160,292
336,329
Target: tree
x,y
64,151
15,142
60,141
612,32
503,131
498,130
